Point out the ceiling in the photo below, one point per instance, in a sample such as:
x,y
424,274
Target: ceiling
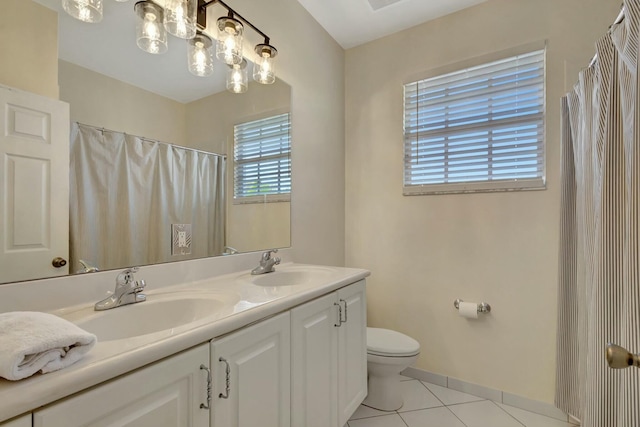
x,y
354,22
110,49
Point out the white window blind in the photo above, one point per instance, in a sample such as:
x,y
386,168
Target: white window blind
x,y
478,129
262,159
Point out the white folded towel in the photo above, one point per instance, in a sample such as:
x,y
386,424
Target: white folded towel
x,y
34,341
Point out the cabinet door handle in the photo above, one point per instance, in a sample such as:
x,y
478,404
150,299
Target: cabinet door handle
x,y
208,405
228,379
345,312
339,315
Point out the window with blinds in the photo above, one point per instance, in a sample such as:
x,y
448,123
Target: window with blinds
x,y
477,129
262,160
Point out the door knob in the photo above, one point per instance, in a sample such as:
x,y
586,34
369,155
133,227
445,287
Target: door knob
x,y
619,358
59,262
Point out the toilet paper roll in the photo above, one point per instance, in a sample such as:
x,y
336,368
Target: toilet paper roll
x,y
468,310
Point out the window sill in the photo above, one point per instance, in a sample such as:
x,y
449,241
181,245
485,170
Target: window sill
x,y
475,187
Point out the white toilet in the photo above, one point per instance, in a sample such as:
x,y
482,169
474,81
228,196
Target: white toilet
x,y
388,354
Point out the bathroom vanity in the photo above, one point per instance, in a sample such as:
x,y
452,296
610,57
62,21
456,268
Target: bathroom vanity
x,y
281,349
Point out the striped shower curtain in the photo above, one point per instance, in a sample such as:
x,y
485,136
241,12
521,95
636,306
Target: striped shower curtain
x,y
599,276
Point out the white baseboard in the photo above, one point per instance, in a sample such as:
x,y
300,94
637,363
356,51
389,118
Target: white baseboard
x,y
499,396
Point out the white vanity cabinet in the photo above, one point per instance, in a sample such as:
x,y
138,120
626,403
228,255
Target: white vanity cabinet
x,y
167,393
252,376
329,358
303,367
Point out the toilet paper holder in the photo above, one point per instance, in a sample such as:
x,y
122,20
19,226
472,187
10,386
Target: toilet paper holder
x,y
483,307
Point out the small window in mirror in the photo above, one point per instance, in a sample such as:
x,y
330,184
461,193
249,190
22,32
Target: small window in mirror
x,y
262,160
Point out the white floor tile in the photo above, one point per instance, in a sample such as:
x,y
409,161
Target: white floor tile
x,y
393,420
449,396
417,396
484,414
434,417
367,412
530,419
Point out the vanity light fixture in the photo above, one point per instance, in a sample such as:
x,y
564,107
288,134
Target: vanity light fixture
x,y
263,68
237,81
150,33
180,18
85,10
200,55
229,45
187,19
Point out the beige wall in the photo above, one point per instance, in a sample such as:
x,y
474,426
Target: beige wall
x,y
29,43
313,64
102,101
210,127
426,251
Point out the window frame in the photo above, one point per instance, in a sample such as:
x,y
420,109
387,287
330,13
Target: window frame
x,y
259,198
522,184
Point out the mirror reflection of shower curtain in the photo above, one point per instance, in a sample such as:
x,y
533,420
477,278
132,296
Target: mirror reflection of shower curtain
x,y
126,191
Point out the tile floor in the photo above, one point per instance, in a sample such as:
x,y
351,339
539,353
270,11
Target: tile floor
x,y
430,405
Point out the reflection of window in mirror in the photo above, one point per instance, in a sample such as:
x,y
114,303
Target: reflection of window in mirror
x,y
262,160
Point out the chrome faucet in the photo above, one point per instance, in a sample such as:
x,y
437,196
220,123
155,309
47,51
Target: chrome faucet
x,y
127,291
266,263
86,267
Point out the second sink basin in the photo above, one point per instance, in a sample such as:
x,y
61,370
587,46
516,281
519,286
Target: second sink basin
x,y
291,276
160,312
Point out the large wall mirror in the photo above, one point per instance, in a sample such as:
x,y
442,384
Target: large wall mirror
x,y
114,88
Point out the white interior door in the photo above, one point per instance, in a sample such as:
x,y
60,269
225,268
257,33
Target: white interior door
x,y
34,185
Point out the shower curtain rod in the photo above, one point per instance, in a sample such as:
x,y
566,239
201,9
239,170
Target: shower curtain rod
x,y
101,129
618,20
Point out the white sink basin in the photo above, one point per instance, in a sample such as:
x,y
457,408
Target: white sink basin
x,y
160,312
291,276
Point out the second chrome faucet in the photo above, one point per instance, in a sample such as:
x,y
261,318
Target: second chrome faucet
x,y
266,263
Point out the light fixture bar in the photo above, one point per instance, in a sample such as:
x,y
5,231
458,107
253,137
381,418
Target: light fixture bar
x,y
202,16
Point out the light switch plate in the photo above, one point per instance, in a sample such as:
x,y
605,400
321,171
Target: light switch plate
x,y
180,239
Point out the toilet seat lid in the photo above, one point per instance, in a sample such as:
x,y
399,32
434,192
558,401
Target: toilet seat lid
x,y
385,342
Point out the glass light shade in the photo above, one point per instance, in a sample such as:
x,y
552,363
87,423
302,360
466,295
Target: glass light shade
x,y
150,34
200,55
237,80
84,10
229,44
180,18
263,68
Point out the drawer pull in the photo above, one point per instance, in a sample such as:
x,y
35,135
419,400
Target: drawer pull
x,y
228,380
208,405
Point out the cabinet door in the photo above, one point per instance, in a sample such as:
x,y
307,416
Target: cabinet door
x,y
23,421
252,373
352,350
314,363
166,394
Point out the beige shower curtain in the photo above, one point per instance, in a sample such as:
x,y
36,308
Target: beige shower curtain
x,y
599,294
126,191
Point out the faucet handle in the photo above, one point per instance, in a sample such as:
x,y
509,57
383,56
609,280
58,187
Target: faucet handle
x,y
266,255
126,276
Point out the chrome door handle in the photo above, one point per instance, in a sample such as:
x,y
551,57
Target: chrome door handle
x,y
208,405
620,358
228,379
345,312
337,325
